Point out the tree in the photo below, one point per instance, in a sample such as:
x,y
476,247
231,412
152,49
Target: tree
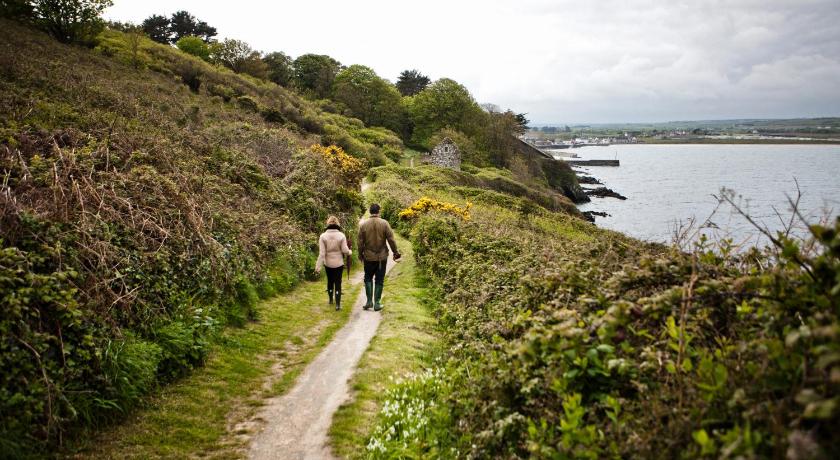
x,y
252,65
17,9
205,31
126,26
280,68
157,28
183,24
522,123
315,73
229,52
370,98
238,56
412,82
499,136
445,104
71,21
195,46
134,37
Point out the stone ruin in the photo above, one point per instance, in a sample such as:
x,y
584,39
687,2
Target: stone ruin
x,y
446,154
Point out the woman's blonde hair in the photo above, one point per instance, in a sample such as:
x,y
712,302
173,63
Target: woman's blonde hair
x,y
332,220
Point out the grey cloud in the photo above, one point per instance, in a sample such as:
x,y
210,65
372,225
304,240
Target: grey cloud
x,y
572,61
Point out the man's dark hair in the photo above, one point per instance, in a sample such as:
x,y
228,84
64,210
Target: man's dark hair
x,y
374,208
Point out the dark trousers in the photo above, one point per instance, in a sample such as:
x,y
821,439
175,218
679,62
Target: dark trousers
x,y
334,278
375,270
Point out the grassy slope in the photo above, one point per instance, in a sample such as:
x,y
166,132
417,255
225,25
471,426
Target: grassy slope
x,y
404,343
171,205
569,341
194,415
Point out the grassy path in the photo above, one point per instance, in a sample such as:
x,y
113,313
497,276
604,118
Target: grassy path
x,y
214,412
403,344
206,414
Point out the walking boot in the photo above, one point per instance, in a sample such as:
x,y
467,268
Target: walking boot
x,y
337,300
377,306
369,294
330,292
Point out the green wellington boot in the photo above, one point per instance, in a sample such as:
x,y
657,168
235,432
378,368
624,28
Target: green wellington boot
x,y
377,306
369,294
337,300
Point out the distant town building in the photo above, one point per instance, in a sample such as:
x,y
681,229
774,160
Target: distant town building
x,y
446,154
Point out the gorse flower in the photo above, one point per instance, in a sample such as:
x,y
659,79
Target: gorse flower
x,y
426,204
349,168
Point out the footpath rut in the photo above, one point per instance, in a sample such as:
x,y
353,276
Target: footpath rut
x,y
297,423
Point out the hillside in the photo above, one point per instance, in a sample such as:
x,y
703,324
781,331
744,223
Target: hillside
x,y
149,200
145,204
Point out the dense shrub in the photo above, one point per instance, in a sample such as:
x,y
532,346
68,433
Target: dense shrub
x,y
580,343
225,92
196,46
191,75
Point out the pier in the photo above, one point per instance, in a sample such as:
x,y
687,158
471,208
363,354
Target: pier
x,y
592,162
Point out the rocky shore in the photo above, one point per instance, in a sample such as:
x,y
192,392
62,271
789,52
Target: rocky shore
x,y
590,215
597,192
583,179
603,192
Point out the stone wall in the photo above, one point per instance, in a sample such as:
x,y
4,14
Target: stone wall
x,y
446,154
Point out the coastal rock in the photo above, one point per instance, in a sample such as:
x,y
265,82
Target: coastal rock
x,y
603,192
575,193
590,215
588,180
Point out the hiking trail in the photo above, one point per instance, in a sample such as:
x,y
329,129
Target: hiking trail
x,y
295,425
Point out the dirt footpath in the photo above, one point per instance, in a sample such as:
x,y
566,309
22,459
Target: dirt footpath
x,y
296,424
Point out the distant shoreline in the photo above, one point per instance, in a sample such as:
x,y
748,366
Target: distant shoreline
x,y
735,141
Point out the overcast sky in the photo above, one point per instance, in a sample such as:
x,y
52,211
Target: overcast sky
x,y
566,61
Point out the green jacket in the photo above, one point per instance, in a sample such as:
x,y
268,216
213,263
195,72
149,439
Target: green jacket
x,y
374,232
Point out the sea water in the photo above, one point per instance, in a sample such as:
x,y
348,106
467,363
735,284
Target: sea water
x,y
669,186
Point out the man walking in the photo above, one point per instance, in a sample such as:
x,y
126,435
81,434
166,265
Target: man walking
x,y
374,232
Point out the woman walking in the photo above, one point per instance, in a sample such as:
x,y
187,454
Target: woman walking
x,y
332,248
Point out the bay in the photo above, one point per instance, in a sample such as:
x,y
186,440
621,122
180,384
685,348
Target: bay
x,y
669,185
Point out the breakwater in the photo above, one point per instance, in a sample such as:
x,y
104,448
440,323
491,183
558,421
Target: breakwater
x,y
593,162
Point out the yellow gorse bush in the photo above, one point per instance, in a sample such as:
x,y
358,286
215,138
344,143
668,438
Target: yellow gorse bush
x,y
426,204
350,168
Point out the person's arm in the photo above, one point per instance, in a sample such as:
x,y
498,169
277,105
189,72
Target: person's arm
x,y
345,249
360,243
322,252
389,236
